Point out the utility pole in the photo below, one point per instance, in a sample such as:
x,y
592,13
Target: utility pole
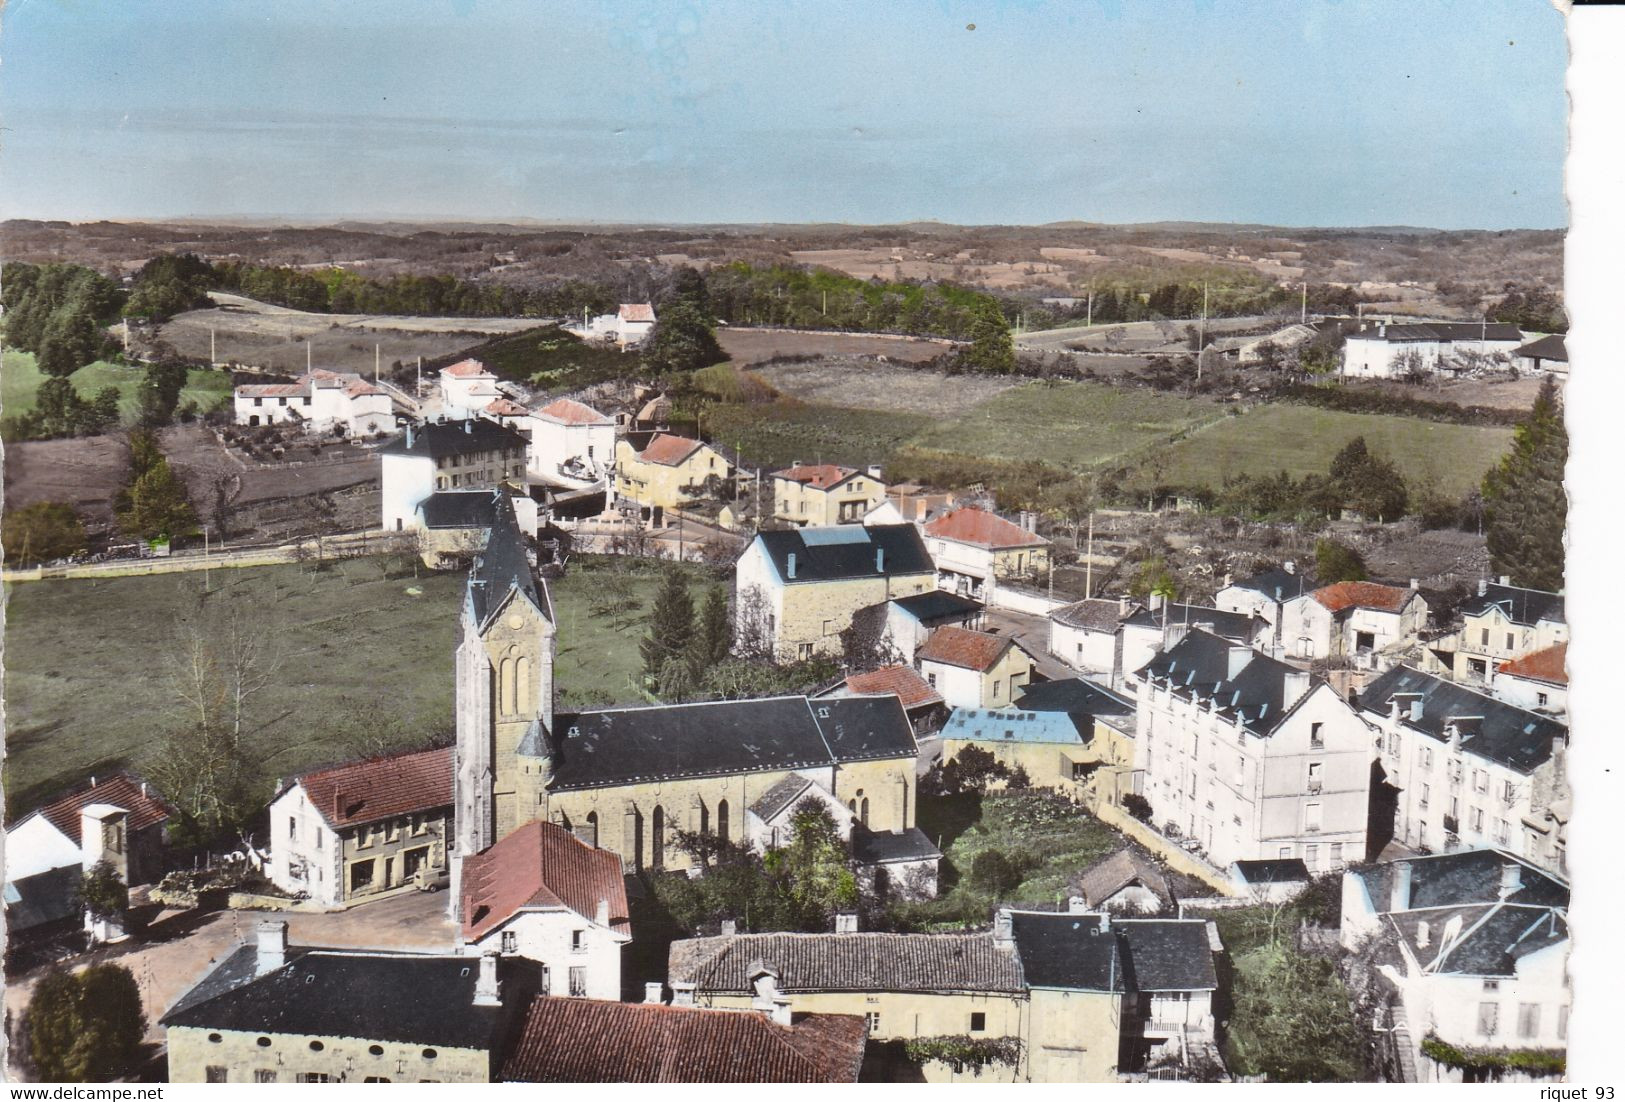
x,y
1089,315
213,359
1201,339
419,392
1303,315
377,359
307,357
1089,558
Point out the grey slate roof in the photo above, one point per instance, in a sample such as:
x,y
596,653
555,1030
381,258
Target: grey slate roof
x,y
1198,666
1445,331
436,439
870,847
780,796
846,962
426,1000
938,606
1277,584
1464,877
1527,607
504,567
1110,875
1077,697
1093,614
1074,952
1275,871
597,749
1552,347
45,897
1239,626
1489,728
846,551
459,509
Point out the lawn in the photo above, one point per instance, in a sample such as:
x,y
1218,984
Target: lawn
x,y
365,662
776,434
1068,425
1302,440
20,379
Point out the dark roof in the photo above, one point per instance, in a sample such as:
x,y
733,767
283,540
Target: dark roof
x,y
49,896
938,606
381,788
541,865
1444,331
1489,728
423,1000
871,847
1078,952
1077,697
772,802
595,749
443,438
585,1041
1240,626
1276,871
846,962
119,789
1198,666
1527,607
846,551
1093,614
459,509
1278,584
1128,866
1463,877
1546,348
504,567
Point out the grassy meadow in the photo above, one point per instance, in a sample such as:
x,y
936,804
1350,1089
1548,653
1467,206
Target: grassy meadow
x,y
20,380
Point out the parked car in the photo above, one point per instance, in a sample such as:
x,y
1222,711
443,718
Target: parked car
x,y
431,879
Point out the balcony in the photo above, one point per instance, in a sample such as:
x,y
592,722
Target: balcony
x,y
1452,825
1315,787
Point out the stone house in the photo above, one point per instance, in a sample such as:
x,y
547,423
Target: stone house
x,y
1499,623
1113,714
1126,882
1357,621
543,894
668,472
797,590
1470,770
923,704
974,669
824,494
1251,758
473,454
362,828
974,550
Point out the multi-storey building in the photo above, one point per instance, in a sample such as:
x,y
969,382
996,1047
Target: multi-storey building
x,y
473,454
1352,620
975,550
824,494
1499,623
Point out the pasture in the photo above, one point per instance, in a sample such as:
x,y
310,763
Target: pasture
x,y
20,379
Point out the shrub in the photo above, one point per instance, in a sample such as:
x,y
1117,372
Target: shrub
x,y
1137,806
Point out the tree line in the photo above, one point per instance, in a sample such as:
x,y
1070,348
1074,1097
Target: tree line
x,y
57,312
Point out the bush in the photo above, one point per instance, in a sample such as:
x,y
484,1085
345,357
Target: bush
x,y
1137,806
995,872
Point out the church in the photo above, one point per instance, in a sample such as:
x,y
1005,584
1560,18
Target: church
x,y
627,779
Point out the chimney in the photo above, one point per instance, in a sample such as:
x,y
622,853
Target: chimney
x,y
1003,933
1506,579
1416,583
873,471
487,992
654,992
1156,602
1076,905
601,914
338,805
1483,586
144,788
682,994
1416,708
781,1010
1229,580
1290,567
880,560
409,435
468,426
794,463
1105,922
790,566
1399,893
1122,606
846,922
1239,655
1511,879
272,948
1422,934
1293,687
729,927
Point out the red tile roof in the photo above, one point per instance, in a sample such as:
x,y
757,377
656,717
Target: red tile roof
x,y
541,865
669,450
973,650
271,390
1343,595
507,407
585,1041
984,529
1549,665
466,369
120,790
361,389
900,681
636,311
569,412
820,476
381,788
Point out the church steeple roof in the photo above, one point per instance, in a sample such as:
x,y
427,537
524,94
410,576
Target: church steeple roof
x,y
504,567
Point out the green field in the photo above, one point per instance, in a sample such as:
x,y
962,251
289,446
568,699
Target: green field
x,y
363,663
776,434
20,380
1067,425
1302,440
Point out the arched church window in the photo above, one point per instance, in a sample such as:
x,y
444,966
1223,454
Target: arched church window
x,y
522,691
590,834
657,839
705,819
863,811
507,687
722,819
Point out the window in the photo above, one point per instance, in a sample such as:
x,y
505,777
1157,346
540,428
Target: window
x,y
293,829
1476,818
996,686
1285,853
978,1022
931,680
259,401
578,982
510,941
265,1075
376,1079
1427,757
1426,790
1316,773
1311,856
1311,818
873,1018
804,652
1509,791
1529,1019
1541,700
392,830
318,837
1492,985
722,819
1503,832
1481,780
361,875
214,1074
1317,736
1510,643
1488,1018
312,1077
578,941
1484,637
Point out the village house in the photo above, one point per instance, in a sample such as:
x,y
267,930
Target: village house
x,y
466,389
1499,622
543,894
668,472
571,444
1538,681
1544,356
1354,621
1151,629
797,590
1470,770
628,326
1270,881
275,1013
1081,744
1251,758
453,524
975,551
906,986
319,402
974,669
119,819
923,704
1085,635
473,454
899,626
584,1041
1386,351
824,494
366,827
1475,946
1126,882
1265,594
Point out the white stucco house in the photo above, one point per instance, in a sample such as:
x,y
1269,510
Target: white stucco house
x,y
1537,682
318,402
472,454
1353,620
1264,594
1383,350
571,444
467,388
1087,635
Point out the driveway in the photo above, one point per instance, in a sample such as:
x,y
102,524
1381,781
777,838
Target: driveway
x,y
1031,632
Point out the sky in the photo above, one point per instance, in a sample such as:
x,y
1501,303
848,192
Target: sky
x,y
1300,112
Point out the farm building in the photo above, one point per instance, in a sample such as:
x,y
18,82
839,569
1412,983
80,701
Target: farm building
x,y
319,402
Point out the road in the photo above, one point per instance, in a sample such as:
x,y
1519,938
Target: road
x,y
338,544
1032,632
